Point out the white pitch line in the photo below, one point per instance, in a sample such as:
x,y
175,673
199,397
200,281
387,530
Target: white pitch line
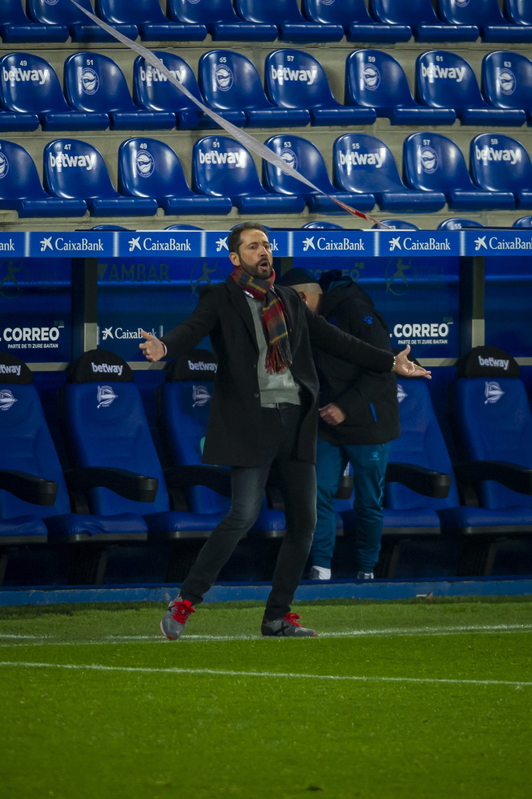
x,y
263,674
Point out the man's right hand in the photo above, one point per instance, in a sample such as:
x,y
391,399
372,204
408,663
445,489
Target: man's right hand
x,y
152,348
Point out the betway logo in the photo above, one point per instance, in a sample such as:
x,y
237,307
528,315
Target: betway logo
x,y
107,368
287,75
491,154
495,362
153,75
435,71
215,157
9,370
201,366
18,75
363,159
64,161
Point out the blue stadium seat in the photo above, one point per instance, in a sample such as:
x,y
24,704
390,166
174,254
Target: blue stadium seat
x,y
395,224
154,92
81,28
364,163
306,158
96,85
321,226
220,19
21,188
456,223
445,80
523,222
221,167
421,17
29,85
355,20
231,85
109,227
148,16
486,14
432,161
295,79
507,82
150,168
76,170
292,26
13,121
16,28
518,11
375,79
500,163
183,227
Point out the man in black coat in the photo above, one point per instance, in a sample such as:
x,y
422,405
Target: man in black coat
x,y
264,411
359,418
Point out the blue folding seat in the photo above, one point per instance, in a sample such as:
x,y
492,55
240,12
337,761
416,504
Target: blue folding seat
x,y
518,11
76,170
81,28
353,16
150,168
220,19
21,188
292,26
507,82
109,227
395,224
183,227
222,167
306,158
148,16
444,79
231,83
457,223
486,14
15,27
500,163
295,79
375,79
321,226
432,161
30,85
524,221
96,85
364,163
421,17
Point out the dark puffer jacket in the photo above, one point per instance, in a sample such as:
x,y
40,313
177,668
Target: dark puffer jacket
x,y
368,398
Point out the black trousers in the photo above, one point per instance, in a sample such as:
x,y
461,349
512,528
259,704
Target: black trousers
x,y
298,486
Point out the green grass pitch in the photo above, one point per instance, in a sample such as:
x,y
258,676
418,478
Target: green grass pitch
x,y
398,700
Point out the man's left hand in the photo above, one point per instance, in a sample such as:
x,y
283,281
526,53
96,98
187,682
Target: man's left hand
x,y
332,414
407,368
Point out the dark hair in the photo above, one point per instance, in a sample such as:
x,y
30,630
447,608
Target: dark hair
x,y
234,239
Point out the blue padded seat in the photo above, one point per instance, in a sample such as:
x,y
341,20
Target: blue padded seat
x,y
295,79
421,17
500,163
374,79
222,167
395,224
524,221
507,82
353,16
364,163
221,21
96,85
80,27
150,168
486,14
456,223
290,23
21,188
321,226
444,80
76,170
183,227
30,85
148,16
433,161
16,28
306,158
518,11
231,84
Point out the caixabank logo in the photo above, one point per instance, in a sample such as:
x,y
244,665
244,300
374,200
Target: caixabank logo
x,y
164,242
216,244
418,242
500,243
31,338
70,244
324,243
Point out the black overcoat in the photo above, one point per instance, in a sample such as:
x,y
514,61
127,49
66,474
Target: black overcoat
x,y
235,428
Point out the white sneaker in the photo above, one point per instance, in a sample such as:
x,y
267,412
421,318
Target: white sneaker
x,y
319,573
365,576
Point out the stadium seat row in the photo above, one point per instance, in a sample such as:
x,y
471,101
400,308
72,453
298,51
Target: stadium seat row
x,y
297,92
224,175
256,20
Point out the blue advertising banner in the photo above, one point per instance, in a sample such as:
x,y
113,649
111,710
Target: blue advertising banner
x,y
417,242
497,242
69,245
13,245
324,243
159,242
216,243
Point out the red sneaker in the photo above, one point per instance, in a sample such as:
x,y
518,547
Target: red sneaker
x,y
175,618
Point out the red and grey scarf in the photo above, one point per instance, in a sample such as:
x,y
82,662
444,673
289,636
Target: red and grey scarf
x,y
278,356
